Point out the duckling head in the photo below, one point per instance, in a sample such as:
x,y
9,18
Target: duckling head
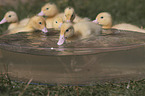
x,y
57,23
67,31
104,19
10,17
49,10
38,23
69,14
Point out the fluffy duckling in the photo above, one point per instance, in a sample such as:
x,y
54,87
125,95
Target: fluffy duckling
x,y
35,23
57,23
11,17
105,20
76,31
51,11
70,16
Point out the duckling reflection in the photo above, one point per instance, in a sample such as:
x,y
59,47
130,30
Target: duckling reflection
x,y
35,23
11,17
79,64
105,20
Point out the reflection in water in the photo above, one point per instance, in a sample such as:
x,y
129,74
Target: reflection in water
x,y
104,58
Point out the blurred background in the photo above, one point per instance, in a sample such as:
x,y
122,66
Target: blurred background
x,y
129,11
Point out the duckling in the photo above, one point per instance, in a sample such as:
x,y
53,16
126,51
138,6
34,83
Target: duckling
x,y
11,17
81,30
35,23
51,11
105,20
70,16
57,23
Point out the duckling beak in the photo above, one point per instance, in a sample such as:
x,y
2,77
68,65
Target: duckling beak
x,y
45,30
60,25
61,40
41,13
3,21
95,21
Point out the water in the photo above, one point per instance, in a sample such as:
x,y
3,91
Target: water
x,y
110,58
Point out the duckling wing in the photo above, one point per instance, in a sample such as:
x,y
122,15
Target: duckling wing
x,y
20,29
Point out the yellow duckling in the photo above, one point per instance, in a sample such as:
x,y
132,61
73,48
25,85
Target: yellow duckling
x,y
70,16
76,31
35,23
11,17
51,11
58,21
105,20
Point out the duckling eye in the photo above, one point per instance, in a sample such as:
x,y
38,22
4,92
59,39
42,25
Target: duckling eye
x,y
102,17
67,30
56,21
47,8
40,22
10,15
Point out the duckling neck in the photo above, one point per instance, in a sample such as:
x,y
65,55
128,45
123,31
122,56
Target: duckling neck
x,y
16,21
13,25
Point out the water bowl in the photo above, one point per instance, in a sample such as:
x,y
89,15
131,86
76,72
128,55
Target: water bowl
x,y
107,58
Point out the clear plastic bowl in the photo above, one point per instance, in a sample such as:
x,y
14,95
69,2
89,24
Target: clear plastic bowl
x,y
117,57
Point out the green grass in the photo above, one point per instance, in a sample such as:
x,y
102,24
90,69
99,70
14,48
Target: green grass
x,y
11,88
130,11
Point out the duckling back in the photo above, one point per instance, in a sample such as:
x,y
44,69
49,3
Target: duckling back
x,y
87,28
24,22
79,19
129,27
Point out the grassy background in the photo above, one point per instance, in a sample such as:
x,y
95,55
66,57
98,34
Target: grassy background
x,y
129,11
